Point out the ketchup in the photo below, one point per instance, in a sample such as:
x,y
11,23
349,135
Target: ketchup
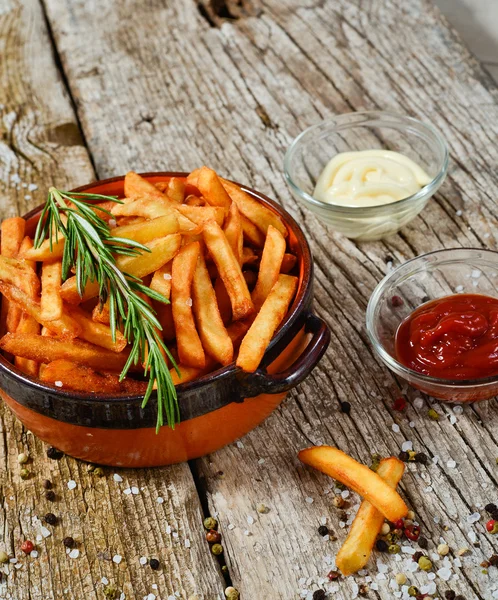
x,y
455,337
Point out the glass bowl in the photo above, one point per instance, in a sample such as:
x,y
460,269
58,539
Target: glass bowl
x,y
310,152
420,280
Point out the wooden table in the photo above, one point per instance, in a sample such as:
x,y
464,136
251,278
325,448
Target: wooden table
x,y
91,89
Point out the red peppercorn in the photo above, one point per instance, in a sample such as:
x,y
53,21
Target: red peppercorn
x,y
397,301
412,532
399,524
492,526
399,404
213,536
27,547
333,575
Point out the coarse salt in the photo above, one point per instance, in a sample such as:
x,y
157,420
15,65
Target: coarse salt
x,y
58,383
104,580
74,553
188,301
412,424
345,494
458,213
34,554
451,464
459,288
475,274
231,526
160,500
167,276
473,518
309,500
395,428
168,529
71,484
117,559
143,560
117,478
418,402
458,410
444,573
135,490
250,520
127,491
407,446
261,461
453,419
45,532
32,187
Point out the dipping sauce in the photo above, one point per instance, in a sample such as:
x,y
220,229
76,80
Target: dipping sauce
x,y
455,337
369,178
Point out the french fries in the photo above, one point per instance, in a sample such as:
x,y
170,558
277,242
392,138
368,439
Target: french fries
x,y
190,350
212,332
201,231
51,302
229,270
266,323
358,477
356,550
269,268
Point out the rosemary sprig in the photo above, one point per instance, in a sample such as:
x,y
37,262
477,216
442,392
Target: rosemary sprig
x,y
90,250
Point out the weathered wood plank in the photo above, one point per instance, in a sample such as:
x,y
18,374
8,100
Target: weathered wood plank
x,y
174,92
41,145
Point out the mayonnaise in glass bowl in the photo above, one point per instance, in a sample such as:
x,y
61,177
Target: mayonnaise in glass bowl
x,y
312,150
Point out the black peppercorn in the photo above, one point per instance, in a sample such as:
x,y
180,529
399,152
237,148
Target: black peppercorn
x,y
323,530
319,595
417,556
422,542
154,564
54,454
345,407
389,259
421,458
68,542
425,299
50,518
491,508
493,560
403,456
381,545
47,484
449,595
460,597
50,495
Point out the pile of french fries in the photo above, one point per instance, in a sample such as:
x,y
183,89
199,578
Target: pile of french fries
x,y
380,499
217,254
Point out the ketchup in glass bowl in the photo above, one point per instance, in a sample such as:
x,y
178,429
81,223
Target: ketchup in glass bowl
x,y
434,322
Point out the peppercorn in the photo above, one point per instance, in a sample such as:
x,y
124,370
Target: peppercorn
x,y
425,299
154,564
394,549
27,547
47,484
319,595
449,595
333,575
50,518
23,458
421,458
397,301
491,508
323,530
493,560
217,549
422,542
50,495
484,571
68,542
399,404
443,549
213,537
412,591
433,414
111,592
417,556
412,532
398,524
224,570
363,589
345,407
338,501
424,563
54,454
492,526
232,594
411,455
381,546
24,474
401,579
4,557
403,456
460,597
385,529
262,509
99,472
210,523
376,458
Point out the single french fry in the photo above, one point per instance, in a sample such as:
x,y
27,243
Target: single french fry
x,y
18,273
26,245
161,282
211,188
190,350
136,186
265,324
176,189
191,373
288,263
65,327
101,314
223,301
358,477
256,212
192,183
146,231
269,267
356,550
44,252
214,337
251,233
27,325
95,332
46,349
202,214
233,231
229,270
13,230
162,251
151,209
51,301
80,378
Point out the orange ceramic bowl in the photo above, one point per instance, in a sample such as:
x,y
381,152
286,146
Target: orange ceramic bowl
x,y
215,409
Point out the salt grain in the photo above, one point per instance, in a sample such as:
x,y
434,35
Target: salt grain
x,y
117,478
168,529
74,553
127,491
160,500
418,402
444,573
458,409
451,464
188,301
71,484
250,520
475,274
473,518
459,288
167,276
309,500
453,419
58,383
32,187
104,580
117,559
261,461
34,554
240,444
395,428
45,532
187,543
143,560
458,213
407,446
412,424
135,490
231,526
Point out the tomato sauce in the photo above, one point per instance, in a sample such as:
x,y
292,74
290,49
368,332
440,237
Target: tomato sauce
x,y
455,337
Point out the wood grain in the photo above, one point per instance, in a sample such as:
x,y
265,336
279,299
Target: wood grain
x,y
182,86
41,145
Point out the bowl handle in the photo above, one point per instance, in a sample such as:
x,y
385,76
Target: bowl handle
x,y
262,382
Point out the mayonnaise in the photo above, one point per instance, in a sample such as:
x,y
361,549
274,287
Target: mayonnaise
x,y
369,178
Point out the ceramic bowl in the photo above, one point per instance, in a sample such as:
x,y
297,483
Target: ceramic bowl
x,y
215,409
